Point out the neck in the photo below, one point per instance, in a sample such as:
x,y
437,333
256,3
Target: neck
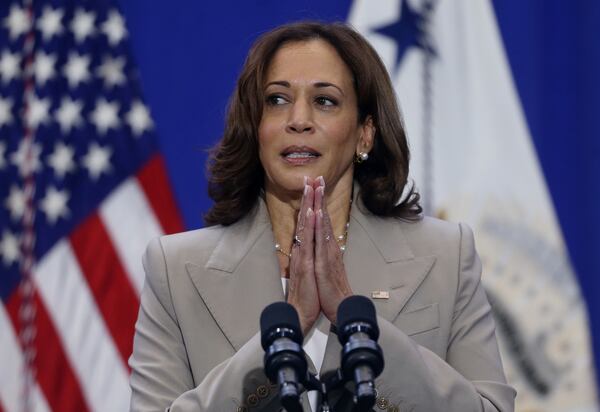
x,y
283,211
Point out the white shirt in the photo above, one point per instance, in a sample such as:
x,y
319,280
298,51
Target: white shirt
x,y
314,346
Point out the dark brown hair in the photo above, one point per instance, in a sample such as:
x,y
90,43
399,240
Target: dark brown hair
x,y
236,175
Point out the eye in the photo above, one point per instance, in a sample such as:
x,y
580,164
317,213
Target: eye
x,y
325,101
276,100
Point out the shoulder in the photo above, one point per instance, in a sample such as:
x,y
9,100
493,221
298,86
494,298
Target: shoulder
x,y
166,256
190,245
434,236
453,246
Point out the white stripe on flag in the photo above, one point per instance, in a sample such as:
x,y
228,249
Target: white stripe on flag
x,y
11,371
85,338
131,224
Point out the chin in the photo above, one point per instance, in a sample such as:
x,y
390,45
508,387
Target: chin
x,y
285,185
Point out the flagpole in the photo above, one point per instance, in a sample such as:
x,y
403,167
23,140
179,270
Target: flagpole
x,y
27,309
427,89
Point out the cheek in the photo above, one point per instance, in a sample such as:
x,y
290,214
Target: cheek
x,y
267,153
267,133
343,139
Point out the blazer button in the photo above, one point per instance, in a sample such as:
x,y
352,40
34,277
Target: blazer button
x,y
382,403
241,409
262,391
252,400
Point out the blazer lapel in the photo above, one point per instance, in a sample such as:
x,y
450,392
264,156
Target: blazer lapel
x,y
241,276
378,258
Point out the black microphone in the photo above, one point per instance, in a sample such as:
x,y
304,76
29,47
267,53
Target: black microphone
x,y
362,358
285,364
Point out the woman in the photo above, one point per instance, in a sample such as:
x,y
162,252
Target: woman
x,y
306,182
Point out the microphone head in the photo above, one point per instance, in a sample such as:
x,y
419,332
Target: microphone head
x,y
283,316
354,309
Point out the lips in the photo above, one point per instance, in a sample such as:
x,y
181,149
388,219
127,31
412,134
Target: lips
x,y
300,154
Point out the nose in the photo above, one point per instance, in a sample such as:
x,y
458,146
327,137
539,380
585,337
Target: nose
x,y
300,118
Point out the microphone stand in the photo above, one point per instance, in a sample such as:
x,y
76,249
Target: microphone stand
x,y
314,384
332,383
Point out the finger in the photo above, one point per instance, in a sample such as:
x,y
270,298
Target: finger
x,y
320,244
327,253
321,204
308,242
324,232
319,199
302,256
306,202
303,243
318,182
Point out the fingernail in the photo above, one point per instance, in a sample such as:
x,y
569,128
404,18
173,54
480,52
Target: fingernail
x,y
322,181
320,213
305,189
309,212
305,180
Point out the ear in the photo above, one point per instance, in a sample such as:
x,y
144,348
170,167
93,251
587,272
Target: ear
x,y
367,136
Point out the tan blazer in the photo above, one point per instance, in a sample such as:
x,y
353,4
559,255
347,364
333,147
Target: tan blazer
x,y
197,341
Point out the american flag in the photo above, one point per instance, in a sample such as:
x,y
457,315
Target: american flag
x,y
83,188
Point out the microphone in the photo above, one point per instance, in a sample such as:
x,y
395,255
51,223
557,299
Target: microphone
x,y
362,358
281,338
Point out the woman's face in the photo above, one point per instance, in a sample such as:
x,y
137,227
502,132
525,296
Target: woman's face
x,y
309,124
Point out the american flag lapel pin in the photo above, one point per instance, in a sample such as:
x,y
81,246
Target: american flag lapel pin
x,y
380,294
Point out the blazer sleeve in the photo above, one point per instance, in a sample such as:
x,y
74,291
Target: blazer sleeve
x,y
161,378
471,378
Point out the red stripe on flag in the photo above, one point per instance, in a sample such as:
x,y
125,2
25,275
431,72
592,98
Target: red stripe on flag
x,y
53,370
108,282
155,183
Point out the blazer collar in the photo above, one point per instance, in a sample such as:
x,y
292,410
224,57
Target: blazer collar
x,y
242,275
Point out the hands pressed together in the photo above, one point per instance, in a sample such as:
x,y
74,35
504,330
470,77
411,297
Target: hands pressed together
x,y
318,281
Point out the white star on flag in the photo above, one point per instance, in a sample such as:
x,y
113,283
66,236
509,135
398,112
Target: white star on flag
x,y
2,158
50,23
17,22
37,112
5,111
114,28
54,204
68,115
105,115
9,248
97,160
43,67
15,203
77,69
20,159
61,160
82,25
111,70
9,66
139,118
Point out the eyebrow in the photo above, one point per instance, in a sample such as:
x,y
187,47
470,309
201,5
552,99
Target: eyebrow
x,y
318,85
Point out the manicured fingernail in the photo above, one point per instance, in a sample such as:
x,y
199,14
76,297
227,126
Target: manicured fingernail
x,y
320,213
305,190
309,212
305,180
322,181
